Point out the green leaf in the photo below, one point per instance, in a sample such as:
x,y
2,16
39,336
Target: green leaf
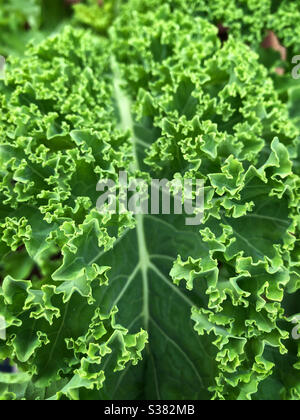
x,y
124,306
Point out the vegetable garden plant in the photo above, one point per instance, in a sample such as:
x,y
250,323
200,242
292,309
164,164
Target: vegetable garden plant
x,y
123,306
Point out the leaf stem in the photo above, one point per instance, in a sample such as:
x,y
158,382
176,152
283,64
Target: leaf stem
x,y
124,106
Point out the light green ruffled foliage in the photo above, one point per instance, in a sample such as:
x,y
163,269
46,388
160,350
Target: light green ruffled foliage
x,y
83,293
97,14
284,20
247,19
244,18
250,21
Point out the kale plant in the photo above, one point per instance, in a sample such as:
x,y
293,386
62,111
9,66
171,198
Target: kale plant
x,y
124,306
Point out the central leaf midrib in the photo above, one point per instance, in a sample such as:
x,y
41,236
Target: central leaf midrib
x,y
144,266
124,106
